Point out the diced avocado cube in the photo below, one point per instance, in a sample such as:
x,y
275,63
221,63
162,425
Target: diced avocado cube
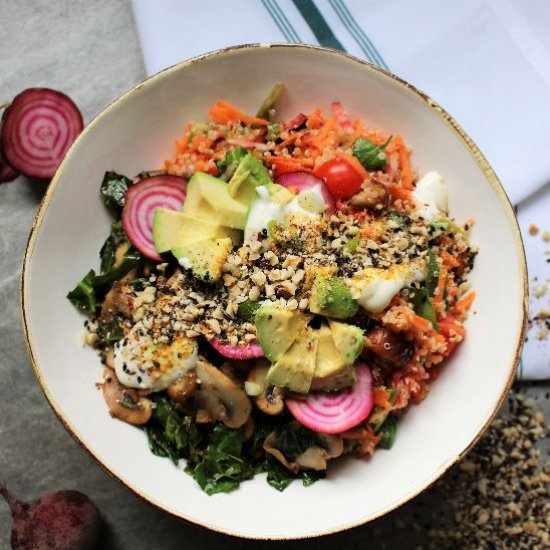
x,y
348,339
331,297
205,257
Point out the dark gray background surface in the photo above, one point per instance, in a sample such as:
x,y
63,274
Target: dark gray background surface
x,y
90,51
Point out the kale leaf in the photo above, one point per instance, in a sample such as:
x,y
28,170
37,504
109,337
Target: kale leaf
x,y
293,440
388,431
222,466
432,277
172,433
109,333
371,156
422,305
91,290
107,254
113,190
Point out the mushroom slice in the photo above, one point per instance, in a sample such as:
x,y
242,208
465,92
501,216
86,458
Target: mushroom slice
x,y
314,458
183,388
125,403
270,398
220,396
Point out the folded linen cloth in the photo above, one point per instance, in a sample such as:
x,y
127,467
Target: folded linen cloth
x,y
486,61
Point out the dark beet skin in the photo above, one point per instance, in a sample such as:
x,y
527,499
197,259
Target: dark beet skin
x,y
7,173
60,520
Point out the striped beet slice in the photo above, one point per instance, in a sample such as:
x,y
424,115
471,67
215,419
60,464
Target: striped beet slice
x,y
38,127
139,206
335,412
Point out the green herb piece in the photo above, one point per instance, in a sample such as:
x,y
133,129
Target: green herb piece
x,y
397,218
273,131
222,466
445,224
227,166
113,190
270,100
91,290
293,440
352,244
380,414
109,333
432,276
172,434
423,305
388,431
280,477
107,253
371,156
247,310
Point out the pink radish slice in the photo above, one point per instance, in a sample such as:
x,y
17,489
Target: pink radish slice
x,y
140,203
251,351
332,413
342,117
37,129
305,180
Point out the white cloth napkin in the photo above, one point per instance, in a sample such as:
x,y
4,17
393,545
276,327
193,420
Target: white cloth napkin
x,y
486,61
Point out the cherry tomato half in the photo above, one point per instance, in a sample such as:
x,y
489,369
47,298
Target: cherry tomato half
x,y
341,178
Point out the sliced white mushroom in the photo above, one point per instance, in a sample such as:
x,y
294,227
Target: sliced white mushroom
x,y
183,388
220,396
125,403
268,398
314,458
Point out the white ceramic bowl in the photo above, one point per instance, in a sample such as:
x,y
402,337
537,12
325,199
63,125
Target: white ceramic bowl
x,y
136,132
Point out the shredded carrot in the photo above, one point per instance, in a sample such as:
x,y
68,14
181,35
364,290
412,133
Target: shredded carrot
x,y
321,137
399,193
465,303
290,139
358,130
446,327
315,119
224,112
355,164
449,260
289,164
441,282
406,174
382,398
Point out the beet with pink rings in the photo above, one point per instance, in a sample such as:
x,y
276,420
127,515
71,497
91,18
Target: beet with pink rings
x,y
38,127
140,203
60,520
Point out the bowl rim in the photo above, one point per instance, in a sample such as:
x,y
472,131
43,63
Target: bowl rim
x,y
473,150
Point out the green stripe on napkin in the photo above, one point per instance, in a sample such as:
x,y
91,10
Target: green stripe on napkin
x,y
281,20
359,35
317,24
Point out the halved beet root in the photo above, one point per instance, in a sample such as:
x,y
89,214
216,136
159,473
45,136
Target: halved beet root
x,y
251,351
335,412
140,203
305,180
38,127
60,520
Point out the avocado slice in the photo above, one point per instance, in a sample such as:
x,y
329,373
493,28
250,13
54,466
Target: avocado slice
x,y
250,173
294,369
348,339
208,199
332,298
332,372
172,229
277,329
205,257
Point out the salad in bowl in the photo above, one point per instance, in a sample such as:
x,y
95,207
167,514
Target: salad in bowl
x,y
277,295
